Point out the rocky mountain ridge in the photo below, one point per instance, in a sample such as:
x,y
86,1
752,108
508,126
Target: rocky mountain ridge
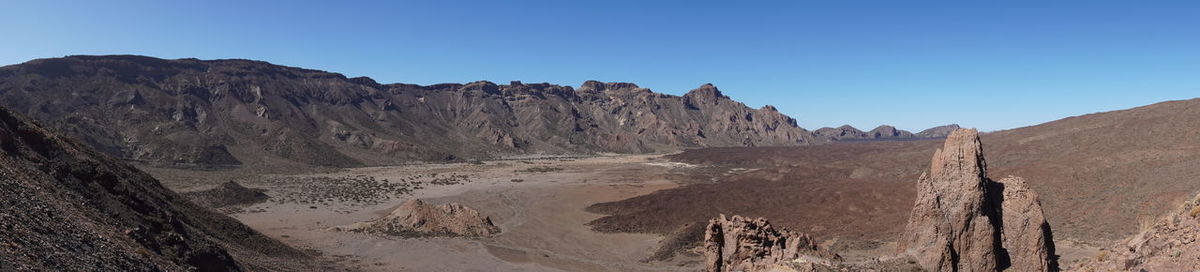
x,y
229,112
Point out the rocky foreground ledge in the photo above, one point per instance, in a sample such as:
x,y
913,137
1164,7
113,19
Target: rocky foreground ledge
x,y
961,221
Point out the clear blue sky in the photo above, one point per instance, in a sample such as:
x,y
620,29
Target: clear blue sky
x,y
913,64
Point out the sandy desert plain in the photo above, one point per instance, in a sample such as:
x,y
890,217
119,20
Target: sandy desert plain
x,y
539,203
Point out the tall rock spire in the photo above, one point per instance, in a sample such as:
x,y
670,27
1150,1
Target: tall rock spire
x,y
952,225
958,220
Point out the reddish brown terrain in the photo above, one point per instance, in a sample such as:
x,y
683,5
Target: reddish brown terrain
x,y
859,192
1102,177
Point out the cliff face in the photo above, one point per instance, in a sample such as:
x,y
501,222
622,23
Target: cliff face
x,y
238,111
67,207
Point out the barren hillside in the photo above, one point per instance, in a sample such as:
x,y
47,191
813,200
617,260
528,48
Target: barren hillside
x,y
66,207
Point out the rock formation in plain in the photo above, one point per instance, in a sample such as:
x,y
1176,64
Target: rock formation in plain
x,y
227,194
964,221
741,244
417,218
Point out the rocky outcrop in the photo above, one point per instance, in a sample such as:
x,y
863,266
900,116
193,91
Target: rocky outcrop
x,y
964,221
883,132
416,218
227,194
740,244
1171,244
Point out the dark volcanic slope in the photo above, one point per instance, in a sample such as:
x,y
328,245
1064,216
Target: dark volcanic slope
x,y
1100,177
66,207
240,111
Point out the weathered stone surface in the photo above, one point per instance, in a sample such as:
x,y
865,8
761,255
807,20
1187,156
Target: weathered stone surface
x,y
1171,244
951,226
1026,234
741,244
416,218
959,220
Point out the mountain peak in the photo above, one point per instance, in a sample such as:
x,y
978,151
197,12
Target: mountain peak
x,y
708,90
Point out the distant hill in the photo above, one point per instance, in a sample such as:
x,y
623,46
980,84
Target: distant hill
x,y
880,133
937,132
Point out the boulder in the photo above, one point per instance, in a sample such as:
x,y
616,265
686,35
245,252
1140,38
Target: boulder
x,y
741,244
415,218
